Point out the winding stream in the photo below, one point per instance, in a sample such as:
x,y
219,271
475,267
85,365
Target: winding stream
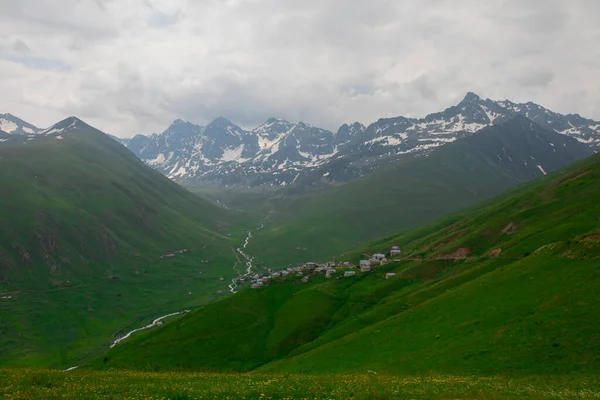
x,y
232,288
249,260
154,323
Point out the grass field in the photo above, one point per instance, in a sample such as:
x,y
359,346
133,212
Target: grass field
x,y
125,385
507,288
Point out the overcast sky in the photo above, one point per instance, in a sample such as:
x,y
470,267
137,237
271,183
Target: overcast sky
x,y
133,66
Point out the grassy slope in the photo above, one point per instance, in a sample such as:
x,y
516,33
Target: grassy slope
x,y
84,224
529,310
412,192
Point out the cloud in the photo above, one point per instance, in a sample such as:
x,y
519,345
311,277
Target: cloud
x,y
133,66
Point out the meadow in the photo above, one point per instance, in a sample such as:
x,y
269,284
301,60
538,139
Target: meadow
x,y
28,384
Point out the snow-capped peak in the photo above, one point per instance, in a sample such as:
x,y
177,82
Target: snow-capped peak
x,y
64,126
469,98
14,125
278,151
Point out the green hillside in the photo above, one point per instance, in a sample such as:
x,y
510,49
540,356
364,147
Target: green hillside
x,y
412,192
86,235
509,288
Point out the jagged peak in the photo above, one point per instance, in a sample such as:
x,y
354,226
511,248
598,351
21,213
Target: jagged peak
x,y
356,126
302,123
275,121
221,121
70,122
65,125
16,120
469,98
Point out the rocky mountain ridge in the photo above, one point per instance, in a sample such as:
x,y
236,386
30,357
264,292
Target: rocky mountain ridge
x,y
278,152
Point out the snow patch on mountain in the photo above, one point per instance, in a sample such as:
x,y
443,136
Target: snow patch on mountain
x,y
541,169
233,154
8,126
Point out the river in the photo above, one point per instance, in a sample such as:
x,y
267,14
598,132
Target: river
x,y
154,323
232,288
248,261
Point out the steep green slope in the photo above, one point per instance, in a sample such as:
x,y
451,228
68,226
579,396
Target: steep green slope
x,y
412,192
507,288
85,236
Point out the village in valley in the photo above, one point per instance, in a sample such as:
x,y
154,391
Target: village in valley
x,y
330,269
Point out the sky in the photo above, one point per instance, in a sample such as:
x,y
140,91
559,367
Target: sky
x,y
133,66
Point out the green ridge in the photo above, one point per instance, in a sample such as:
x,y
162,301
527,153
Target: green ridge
x,y
84,235
456,305
411,192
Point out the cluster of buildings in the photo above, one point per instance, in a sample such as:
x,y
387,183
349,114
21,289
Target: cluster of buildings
x,y
329,269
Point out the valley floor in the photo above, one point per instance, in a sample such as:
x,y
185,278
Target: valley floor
x,y
53,384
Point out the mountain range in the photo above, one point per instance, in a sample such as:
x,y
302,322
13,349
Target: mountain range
x,y
316,224
278,152
93,241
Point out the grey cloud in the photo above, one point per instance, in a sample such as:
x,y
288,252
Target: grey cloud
x,y
20,46
132,66
37,62
538,78
423,88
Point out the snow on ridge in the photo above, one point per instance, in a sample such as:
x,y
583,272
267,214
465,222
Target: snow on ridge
x,y
542,169
438,140
232,154
8,126
460,125
586,141
421,147
490,114
570,131
51,131
158,160
389,140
